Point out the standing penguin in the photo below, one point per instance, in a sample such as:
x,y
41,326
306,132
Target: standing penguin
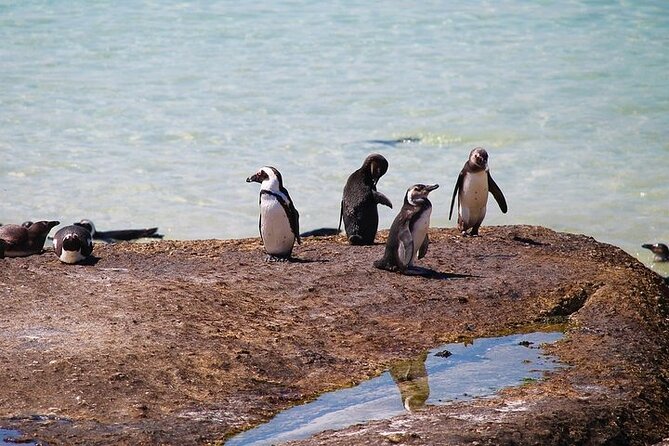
x,y
72,244
358,205
407,239
24,240
279,220
472,187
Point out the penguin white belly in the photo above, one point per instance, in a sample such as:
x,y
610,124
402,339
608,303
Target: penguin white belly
x,y
71,256
419,231
474,197
277,235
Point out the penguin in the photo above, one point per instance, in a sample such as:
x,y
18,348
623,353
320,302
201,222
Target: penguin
x,y
21,241
279,222
358,205
408,239
660,250
119,234
472,187
73,244
321,232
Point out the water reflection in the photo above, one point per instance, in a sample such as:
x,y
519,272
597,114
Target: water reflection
x,y
476,370
410,376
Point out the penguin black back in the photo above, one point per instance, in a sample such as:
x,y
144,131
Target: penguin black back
x,y
358,205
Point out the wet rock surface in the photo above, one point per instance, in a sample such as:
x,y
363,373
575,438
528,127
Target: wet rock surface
x,y
189,342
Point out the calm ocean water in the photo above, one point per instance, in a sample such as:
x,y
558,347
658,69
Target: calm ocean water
x,y
154,113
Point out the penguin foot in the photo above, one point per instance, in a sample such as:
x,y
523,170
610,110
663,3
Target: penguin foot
x,y
382,264
272,258
356,240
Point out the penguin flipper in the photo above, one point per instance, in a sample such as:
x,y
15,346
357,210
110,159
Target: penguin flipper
x,y
294,219
404,248
423,248
456,190
497,193
341,215
382,199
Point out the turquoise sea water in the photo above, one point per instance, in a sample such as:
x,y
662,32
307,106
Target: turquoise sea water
x,y
154,113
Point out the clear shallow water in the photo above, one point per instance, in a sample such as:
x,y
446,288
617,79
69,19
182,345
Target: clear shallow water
x,y
155,113
476,370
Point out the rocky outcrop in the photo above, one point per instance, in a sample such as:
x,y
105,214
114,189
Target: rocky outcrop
x,y
189,342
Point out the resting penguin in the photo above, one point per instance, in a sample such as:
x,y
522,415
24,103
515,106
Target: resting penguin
x,y
407,239
660,250
279,220
21,240
472,187
358,205
72,244
119,234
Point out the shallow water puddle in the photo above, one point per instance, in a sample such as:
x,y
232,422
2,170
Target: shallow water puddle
x,y
451,372
8,437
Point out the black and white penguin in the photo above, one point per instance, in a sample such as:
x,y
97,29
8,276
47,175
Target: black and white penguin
x,y
118,234
72,244
472,187
358,204
660,250
279,220
21,241
408,239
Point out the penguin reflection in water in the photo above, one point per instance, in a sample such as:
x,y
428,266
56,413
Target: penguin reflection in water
x,y
472,187
408,239
279,220
358,204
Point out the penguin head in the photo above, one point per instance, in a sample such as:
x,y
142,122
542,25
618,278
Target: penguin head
x,y
269,178
375,166
418,193
659,249
479,158
72,242
87,225
40,228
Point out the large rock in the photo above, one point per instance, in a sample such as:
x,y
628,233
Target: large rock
x,y
189,342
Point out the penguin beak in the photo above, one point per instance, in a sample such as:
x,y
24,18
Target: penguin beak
x,y
431,188
253,179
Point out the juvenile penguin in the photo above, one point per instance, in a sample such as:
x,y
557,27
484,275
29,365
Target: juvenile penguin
x,y
21,241
472,187
119,234
408,239
72,244
279,220
660,250
358,205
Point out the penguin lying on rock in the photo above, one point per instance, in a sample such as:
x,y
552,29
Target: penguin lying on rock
x,y
279,220
408,239
72,244
24,240
118,234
